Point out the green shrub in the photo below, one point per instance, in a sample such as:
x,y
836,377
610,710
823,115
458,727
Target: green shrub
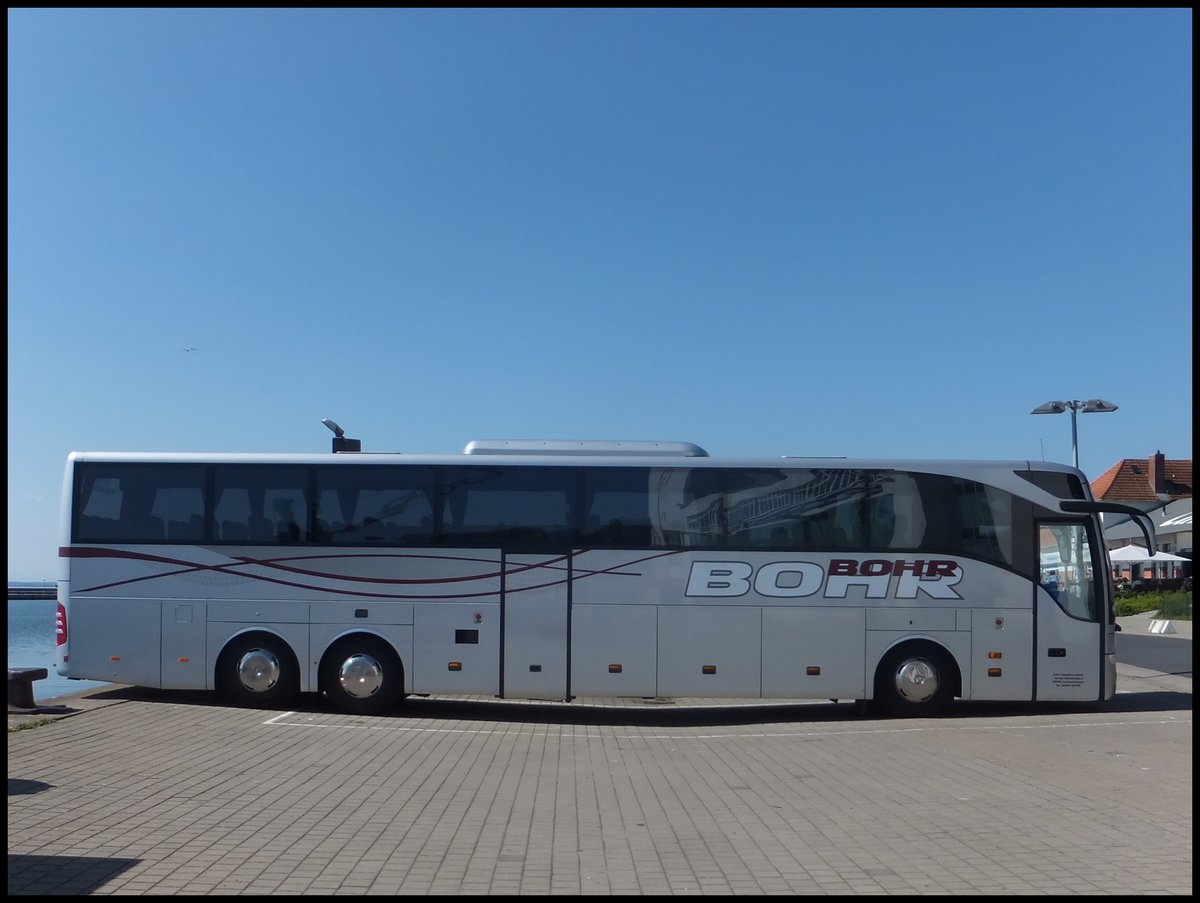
x,y
1175,606
1132,604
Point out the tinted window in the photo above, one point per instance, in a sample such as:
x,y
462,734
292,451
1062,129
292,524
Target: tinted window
x,y
985,521
509,506
616,507
376,505
762,507
967,518
261,503
825,509
139,503
687,507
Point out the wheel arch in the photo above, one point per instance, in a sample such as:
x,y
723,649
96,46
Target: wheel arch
x,y
918,646
914,644
275,640
351,634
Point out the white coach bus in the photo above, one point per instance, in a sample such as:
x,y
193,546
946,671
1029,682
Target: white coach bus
x,y
561,569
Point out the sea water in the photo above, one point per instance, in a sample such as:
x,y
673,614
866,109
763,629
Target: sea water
x,y
31,645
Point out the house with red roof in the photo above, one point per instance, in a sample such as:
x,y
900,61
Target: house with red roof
x,y
1138,481
1160,486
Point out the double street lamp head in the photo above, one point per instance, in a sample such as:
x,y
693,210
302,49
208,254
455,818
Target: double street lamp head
x,y
1091,406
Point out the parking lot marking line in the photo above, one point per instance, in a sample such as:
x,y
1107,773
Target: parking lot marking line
x,y
807,735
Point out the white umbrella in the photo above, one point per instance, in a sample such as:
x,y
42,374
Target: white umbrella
x,y
1139,553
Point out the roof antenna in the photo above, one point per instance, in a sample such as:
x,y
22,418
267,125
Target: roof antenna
x,y
340,442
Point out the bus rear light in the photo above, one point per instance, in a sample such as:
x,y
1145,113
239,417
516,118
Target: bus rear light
x,y
114,658
995,655
812,670
455,666
184,660
614,669
993,672
60,626
708,669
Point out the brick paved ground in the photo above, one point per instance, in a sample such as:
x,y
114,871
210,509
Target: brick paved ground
x,y
161,793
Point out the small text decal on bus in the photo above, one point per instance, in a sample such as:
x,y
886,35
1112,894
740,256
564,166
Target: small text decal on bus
x,y
793,579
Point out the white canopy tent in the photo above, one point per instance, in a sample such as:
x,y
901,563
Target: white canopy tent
x,y
1141,564
1140,553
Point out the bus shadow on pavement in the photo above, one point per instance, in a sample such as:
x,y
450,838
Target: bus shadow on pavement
x,y
717,715
669,712
1148,701
62,875
643,712
633,714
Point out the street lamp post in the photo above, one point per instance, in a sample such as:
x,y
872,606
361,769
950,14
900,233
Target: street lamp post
x,y
1091,406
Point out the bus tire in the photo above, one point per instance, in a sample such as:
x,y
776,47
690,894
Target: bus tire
x,y
258,671
362,675
915,679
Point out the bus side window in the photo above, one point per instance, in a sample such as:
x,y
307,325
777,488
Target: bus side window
x,y
289,531
287,528
92,527
327,531
186,530
136,520
287,506
259,529
232,531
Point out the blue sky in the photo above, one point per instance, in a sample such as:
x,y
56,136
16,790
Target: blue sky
x,y
852,232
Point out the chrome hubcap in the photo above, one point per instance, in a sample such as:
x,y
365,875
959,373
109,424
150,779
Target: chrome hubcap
x,y
258,670
916,680
361,676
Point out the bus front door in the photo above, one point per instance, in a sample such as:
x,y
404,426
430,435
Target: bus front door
x,y
535,624
1070,622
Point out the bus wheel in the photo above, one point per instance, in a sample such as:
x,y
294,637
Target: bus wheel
x,y
915,680
258,671
362,675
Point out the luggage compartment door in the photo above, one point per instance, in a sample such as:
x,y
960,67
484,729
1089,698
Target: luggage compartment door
x,y
536,625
